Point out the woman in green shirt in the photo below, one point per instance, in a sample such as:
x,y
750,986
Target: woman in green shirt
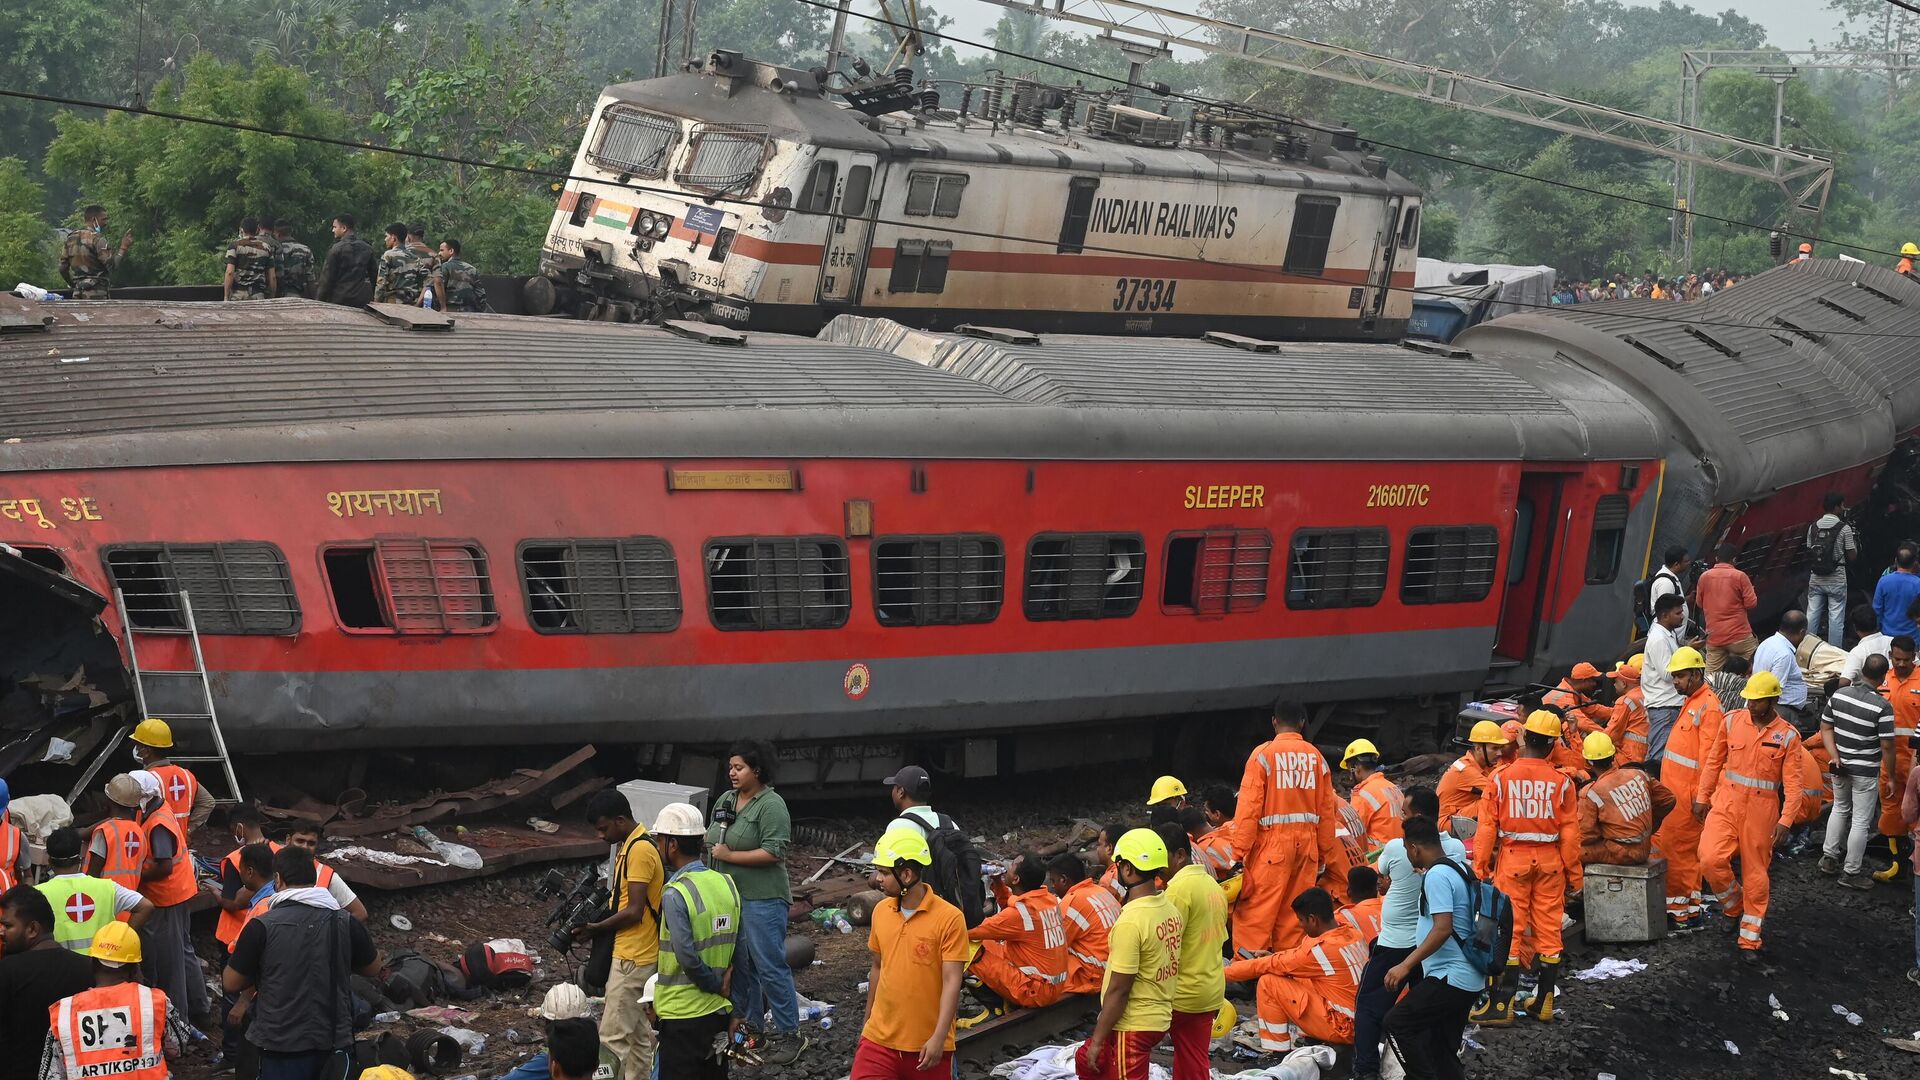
x,y
749,841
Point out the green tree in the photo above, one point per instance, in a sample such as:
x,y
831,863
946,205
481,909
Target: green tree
x,y
26,244
1580,233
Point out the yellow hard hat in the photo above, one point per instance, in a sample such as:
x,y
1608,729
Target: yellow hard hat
x,y
154,733
1167,787
1638,660
1542,722
1142,849
1224,1020
116,944
1761,684
1686,658
902,845
1910,248
386,1072
1356,748
1231,887
1598,746
1487,733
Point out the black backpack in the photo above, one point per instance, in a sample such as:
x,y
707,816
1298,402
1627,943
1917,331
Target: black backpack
x,y
956,875
1643,597
1826,549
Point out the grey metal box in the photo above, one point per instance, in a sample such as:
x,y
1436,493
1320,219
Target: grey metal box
x,y
1626,903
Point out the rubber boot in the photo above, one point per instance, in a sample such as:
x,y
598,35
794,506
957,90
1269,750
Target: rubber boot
x,y
1539,1004
1497,1009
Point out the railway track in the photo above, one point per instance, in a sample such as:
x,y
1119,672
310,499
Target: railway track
x,y
1024,1029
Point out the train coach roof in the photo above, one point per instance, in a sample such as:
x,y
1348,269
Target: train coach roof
x,y
1801,371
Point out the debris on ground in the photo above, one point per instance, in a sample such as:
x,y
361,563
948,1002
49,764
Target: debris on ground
x,y
1610,968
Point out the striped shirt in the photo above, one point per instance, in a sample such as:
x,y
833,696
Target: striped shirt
x,y
1860,719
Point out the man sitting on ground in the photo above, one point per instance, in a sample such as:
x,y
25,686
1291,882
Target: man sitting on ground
x,y
1620,810
1087,912
1308,991
1215,846
1023,947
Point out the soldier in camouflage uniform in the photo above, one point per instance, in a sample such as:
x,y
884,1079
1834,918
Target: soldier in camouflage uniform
x,y
267,238
457,282
402,272
296,261
251,274
86,262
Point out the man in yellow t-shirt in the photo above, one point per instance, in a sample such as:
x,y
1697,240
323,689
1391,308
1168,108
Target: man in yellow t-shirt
x,y
1202,986
1143,964
638,877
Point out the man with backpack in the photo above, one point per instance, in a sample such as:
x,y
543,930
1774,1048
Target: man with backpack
x,y
1669,580
956,873
1424,1029
1830,542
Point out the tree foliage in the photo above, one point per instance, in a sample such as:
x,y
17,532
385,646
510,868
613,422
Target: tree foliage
x,y
26,243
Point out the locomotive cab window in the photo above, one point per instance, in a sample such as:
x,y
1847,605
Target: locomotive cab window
x,y
1217,572
818,194
232,588
1073,229
937,580
1410,227
723,159
1085,575
777,583
1609,539
1449,565
856,191
634,142
1332,568
920,266
404,585
614,586
931,194
1312,233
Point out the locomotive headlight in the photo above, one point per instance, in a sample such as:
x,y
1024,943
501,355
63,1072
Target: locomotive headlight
x,y
661,226
646,223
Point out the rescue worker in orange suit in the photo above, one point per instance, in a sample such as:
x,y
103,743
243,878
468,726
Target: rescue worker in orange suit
x,y
1215,846
1087,911
1749,776
1620,810
1695,731
147,1027
1574,699
1308,990
1375,798
1023,946
1363,902
1902,689
1350,830
1283,832
117,847
1465,781
1512,729
185,796
1529,846
1628,726
13,848
168,879
1815,795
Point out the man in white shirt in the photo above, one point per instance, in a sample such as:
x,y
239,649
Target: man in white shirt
x,y
1830,542
1667,580
1866,623
1656,683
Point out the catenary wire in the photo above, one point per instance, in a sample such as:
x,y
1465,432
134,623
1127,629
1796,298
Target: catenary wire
x,y
1597,309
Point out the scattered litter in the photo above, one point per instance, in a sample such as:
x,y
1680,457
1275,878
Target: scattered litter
x,y
1055,1063
1731,1049
401,923
1852,1017
1848,1073
382,858
1304,1063
542,825
1779,1013
75,359
59,751
1606,1076
1472,1043
1911,1046
810,1009
386,1018
1611,968
471,1042
442,1014
458,855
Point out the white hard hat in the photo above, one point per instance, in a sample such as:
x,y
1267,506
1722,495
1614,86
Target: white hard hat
x,y
149,782
564,1001
679,819
646,992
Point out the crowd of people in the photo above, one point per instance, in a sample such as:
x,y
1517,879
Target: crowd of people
x,y
1689,285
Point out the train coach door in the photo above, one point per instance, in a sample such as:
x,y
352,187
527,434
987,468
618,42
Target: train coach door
x,y
1386,250
1533,563
850,202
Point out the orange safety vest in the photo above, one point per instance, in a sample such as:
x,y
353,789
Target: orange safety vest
x,y
9,852
179,885
126,851
1460,789
112,1031
178,789
1087,914
1215,849
1628,729
1379,803
227,930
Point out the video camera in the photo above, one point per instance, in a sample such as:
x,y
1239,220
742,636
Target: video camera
x,y
581,902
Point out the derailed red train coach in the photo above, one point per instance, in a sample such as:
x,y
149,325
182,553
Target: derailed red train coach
x,y
395,531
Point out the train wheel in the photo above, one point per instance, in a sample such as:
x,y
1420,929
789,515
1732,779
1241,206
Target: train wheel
x,y
537,296
861,904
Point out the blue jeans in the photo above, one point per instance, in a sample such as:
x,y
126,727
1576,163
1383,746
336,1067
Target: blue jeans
x,y
307,1065
761,978
1827,612
1659,726
1372,1005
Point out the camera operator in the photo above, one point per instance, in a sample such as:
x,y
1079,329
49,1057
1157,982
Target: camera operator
x,y
634,922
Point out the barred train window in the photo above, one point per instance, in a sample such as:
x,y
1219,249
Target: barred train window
x,y
723,157
628,585
777,583
937,580
1312,233
234,588
1333,568
1217,572
1753,554
1085,575
1449,565
920,266
634,142
407,585
1609,539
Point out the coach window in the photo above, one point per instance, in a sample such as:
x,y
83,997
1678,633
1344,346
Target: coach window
x,y
232,588
1453,564
1753,554
1073,230
777,583
1312,233
1085,575
937,580
931,194
404,585
818,194
1217,572
45,558
615,586
858,189
920,266
1609,539
1333,568
1410,227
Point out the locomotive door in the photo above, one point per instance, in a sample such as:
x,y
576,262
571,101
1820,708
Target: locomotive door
x,y
1386,249
1532,564
844,259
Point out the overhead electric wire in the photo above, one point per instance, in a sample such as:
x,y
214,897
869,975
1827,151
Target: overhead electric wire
x,y
1904,6
1264,114
1597,309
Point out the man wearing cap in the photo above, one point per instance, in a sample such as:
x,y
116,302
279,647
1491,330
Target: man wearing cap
x,y
35,972
168,879
919,946
189,800
119,1028
912,789
1573,699
84,904
1620,810
1375,798
1627,729
1465,781
699,922
1749,776
1694,734
117,849
565,1001
1662,699
1143,966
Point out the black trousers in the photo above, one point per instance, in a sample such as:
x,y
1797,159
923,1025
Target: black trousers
x,y
686,1048
1425,1028
1371,1006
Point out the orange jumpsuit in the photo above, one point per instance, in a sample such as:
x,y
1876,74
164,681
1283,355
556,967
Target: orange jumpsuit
x,y
1351,832
1751,775
1460,789
1587,714
1284,835
1364,917
1618,814
1695,731
1307,990
1215,851
1380,805
1529,845
1905,696
1815,796
1086,914
1023,950
1628,728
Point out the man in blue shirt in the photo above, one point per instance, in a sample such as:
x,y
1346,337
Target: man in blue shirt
x,y
1780,655
1399,933
1895,594
1425,1027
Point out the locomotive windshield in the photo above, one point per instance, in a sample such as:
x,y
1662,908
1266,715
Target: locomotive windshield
x,y
635,142
723,158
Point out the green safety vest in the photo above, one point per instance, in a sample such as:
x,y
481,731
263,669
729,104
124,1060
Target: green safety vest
x,y
82,907
713,907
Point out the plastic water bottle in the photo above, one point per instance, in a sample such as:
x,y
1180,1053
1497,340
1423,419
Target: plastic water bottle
x,y
841,924
458,855
426,300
